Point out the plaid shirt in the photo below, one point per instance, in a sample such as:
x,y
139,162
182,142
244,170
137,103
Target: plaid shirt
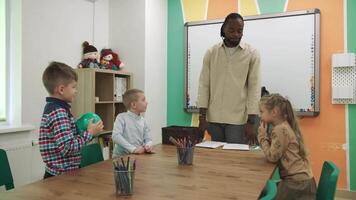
x,y
59,140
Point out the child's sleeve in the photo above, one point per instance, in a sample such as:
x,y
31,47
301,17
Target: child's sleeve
x,y
67,143
147,140
274,148
117,135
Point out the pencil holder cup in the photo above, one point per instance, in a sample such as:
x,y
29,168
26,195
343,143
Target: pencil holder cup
x,y
185,155
124,182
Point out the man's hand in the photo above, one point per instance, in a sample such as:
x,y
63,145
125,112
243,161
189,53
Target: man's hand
x,y
250,132
203,124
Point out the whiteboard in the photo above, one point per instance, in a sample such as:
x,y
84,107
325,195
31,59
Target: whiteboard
x,y
289,47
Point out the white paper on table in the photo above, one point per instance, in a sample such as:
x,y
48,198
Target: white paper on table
x,y
210,144
243,147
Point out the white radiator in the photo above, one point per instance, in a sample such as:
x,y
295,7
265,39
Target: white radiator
x,y
25,162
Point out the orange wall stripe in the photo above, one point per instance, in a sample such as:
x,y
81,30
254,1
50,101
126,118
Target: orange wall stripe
x,y
326,134
219,9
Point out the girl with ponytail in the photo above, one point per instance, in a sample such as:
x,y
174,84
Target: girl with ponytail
x,y
285,147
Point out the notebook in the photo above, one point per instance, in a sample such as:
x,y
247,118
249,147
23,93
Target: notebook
x,y
210,144
243,147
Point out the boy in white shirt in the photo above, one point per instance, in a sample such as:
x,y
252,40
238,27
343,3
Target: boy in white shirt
x,y
131,133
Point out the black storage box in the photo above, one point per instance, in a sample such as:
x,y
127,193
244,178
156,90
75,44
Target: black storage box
x,y
178,132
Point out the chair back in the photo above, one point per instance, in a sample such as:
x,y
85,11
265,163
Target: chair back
x,y
328,180
276,176
5,171
270,190
91,154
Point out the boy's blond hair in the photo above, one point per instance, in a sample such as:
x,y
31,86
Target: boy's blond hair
x,y
58,73
130,96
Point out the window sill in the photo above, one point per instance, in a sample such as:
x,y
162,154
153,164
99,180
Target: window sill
x,y
13,129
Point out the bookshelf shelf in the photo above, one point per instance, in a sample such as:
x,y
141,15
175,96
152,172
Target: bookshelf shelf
x,y
104,102
105,132
100,91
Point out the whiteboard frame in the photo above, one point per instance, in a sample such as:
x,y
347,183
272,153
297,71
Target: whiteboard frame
x,y
315,12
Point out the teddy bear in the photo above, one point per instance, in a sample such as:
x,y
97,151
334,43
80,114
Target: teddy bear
x,y
110,60
90,56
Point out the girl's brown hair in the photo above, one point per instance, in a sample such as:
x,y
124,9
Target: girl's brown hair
x,y
286,111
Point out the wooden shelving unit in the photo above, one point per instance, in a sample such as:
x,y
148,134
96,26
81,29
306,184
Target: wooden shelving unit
x,y
96,93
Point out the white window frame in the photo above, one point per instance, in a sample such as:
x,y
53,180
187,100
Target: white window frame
x,y
13,71
6,70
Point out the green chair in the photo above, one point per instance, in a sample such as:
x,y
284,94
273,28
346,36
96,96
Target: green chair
x,y
5,171
91,154
270,190
276,176
328,180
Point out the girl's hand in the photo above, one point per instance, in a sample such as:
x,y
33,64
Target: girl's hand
x,y
262,130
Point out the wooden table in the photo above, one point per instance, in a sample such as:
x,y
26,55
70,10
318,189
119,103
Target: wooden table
x,y
215,174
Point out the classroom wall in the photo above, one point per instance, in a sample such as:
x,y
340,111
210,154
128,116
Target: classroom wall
x,y
351,47
156,66
175,66
127,36
325,135
138,30
51,30
55,30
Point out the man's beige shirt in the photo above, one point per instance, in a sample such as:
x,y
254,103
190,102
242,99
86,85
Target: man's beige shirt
x,y
229,84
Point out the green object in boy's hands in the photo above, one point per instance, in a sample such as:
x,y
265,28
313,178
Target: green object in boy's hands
x,y
83,121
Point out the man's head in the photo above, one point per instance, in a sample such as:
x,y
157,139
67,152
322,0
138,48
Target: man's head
x,y
60,79
232,29
135,101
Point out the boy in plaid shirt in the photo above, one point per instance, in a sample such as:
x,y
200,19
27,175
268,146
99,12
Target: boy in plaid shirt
x,y
59,140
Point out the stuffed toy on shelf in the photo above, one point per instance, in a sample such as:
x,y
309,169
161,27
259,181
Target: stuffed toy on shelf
x,y
110,60
90,57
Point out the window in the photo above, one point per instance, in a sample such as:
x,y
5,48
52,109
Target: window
x,y
3,72
10,67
